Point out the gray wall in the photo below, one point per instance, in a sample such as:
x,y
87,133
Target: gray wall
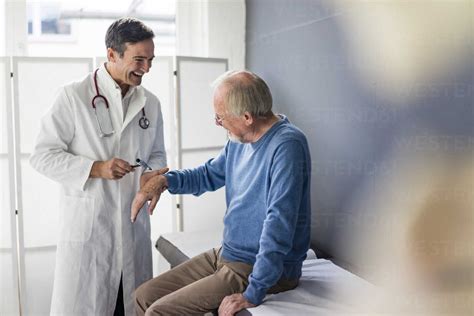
x,y
360,135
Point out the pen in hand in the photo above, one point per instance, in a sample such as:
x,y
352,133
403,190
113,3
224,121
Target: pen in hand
x,y
142,164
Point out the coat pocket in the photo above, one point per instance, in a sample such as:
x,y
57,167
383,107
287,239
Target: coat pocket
x,y
76,217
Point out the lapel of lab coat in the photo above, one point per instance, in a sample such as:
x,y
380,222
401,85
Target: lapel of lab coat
x,y
109,88
137,103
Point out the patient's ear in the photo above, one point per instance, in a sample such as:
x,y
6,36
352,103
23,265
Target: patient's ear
x,y
248,118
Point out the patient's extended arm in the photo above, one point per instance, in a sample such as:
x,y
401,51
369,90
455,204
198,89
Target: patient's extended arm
x,y
152,184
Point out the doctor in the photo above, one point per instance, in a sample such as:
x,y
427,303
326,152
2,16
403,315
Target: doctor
x,y
88,142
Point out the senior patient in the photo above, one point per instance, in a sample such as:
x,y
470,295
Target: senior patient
x,y
265,168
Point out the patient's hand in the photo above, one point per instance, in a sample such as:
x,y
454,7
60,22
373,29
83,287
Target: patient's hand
x,y
148,175
152,184
232,304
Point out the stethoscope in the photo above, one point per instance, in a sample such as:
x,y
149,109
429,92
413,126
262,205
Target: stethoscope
x,y
143,122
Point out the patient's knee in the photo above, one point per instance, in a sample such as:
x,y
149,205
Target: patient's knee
x,y
143,297
158,309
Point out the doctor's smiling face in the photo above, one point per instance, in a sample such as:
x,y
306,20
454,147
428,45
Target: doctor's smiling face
x,y
127,69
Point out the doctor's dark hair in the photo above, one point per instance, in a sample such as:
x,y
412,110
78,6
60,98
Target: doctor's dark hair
x,y
126,30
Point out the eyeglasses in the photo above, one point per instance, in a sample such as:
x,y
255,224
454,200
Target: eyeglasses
x,y
218,120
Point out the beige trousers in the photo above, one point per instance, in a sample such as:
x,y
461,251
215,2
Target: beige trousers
x,y
197,286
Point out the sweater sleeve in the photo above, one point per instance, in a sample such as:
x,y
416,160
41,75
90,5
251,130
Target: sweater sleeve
x,y
207,177
288,174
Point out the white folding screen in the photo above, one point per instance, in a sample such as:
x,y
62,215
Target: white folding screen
x,y
9,300
99,61
36,82
199,138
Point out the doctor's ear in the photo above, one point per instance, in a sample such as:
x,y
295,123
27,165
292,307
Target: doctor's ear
x,y
112,55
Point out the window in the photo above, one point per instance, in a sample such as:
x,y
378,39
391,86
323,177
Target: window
x,y
45,22
77,27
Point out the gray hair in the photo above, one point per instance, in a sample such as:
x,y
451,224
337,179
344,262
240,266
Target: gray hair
x,y
245,92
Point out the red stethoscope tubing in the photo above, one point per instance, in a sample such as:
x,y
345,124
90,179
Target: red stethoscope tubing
x,y
100,96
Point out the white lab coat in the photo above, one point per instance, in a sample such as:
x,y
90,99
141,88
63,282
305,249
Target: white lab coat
x,y
97,241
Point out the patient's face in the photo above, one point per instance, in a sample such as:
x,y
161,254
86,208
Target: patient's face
x,y
235,126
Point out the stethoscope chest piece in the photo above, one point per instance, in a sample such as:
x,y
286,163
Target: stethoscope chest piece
x,y
144,122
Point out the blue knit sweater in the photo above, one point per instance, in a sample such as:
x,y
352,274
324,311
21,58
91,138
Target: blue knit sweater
x,y
268,217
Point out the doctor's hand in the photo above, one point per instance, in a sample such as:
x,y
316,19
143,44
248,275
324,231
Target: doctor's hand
x,y
232,304
151,188
112,169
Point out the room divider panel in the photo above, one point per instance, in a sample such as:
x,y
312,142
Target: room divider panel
x,y
199,139
36,82
9,300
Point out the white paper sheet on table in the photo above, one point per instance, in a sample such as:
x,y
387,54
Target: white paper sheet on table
x,y
324,289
